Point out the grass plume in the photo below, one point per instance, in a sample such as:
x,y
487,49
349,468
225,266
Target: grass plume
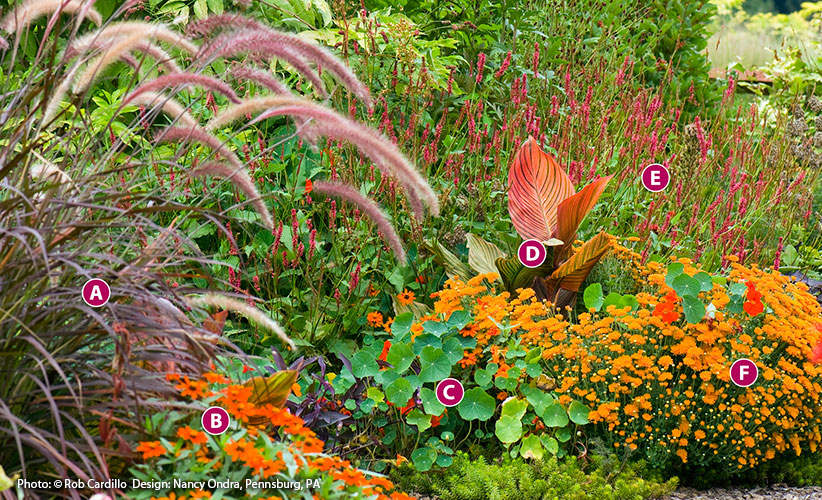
x,y
251,313
27,12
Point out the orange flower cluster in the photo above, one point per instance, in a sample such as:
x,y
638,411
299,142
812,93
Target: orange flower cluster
x,y
302,443
662,386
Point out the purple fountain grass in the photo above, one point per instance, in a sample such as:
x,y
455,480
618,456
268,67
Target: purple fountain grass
x,y
368,207
24,14
182,80
4,45
111,54
253,314
221,22
261,77
270,42
234,171
169,106
225,46
331,124
150,31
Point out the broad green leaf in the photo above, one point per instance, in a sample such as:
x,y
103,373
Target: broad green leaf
x,y
364,365
694,309
430,402
375,394
578,413
551,444
532,447
418,419
573,272
402,325
508,429
482,255
674,270
593,296
555,416
514,275
400,356
453,349
434,365
483,378
706,284
684,286
536,187
477,405
452,264
423,458
515,407
399,392
613,299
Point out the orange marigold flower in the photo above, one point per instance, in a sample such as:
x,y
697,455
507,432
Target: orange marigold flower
x,y
151,449
192,388
406,297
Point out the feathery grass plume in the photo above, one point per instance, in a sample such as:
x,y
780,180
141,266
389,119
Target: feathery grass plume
x,y
4,45
251,313
182,80
234,171
270,42
369,207
225,47
169,106
150,31
329,123
202,28
24,14
58,95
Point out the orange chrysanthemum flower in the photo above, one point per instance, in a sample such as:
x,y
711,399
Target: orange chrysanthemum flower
x,y
151,449
406,297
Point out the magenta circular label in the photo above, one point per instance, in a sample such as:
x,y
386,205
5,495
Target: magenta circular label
x,y
215,420
532,253
655,177
450,392
96,292
744,372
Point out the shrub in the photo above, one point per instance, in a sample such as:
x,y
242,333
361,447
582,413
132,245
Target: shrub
x,y
656,369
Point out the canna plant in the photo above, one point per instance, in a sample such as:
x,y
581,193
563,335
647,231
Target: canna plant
x,y
544,206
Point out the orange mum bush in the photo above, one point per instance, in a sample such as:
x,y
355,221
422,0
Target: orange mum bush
x,y
659,385
266,453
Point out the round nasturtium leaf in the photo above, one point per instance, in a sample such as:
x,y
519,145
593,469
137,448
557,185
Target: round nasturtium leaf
x,y
364,365
477,405
555,416
399,392
434,365
418,419
550,444
694,309
400,356
430,402
508,429
423,458
532,447
684,286
578,413
483,378
453,349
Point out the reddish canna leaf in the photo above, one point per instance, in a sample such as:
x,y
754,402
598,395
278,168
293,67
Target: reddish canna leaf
x,y
572,210
536,187
572,273
216,322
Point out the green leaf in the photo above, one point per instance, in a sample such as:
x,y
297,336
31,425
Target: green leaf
x,y
685,286
515,407
694,309
434,365
453,349
613,299
483,378
555,416
423,458
706,284
364,365
215,6
402,325
430,402
482,255
400,356
550,443
375,394
200,9
540,401
674,270
532,448
477,405
514,275
563,434
578,413
452,264
434,328
628,301
418,419
399,392
593,296
508,429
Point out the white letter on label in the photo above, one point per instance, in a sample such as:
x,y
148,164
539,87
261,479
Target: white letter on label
x,y
447,390
216,420
532,253
96,294
743,372
655,180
